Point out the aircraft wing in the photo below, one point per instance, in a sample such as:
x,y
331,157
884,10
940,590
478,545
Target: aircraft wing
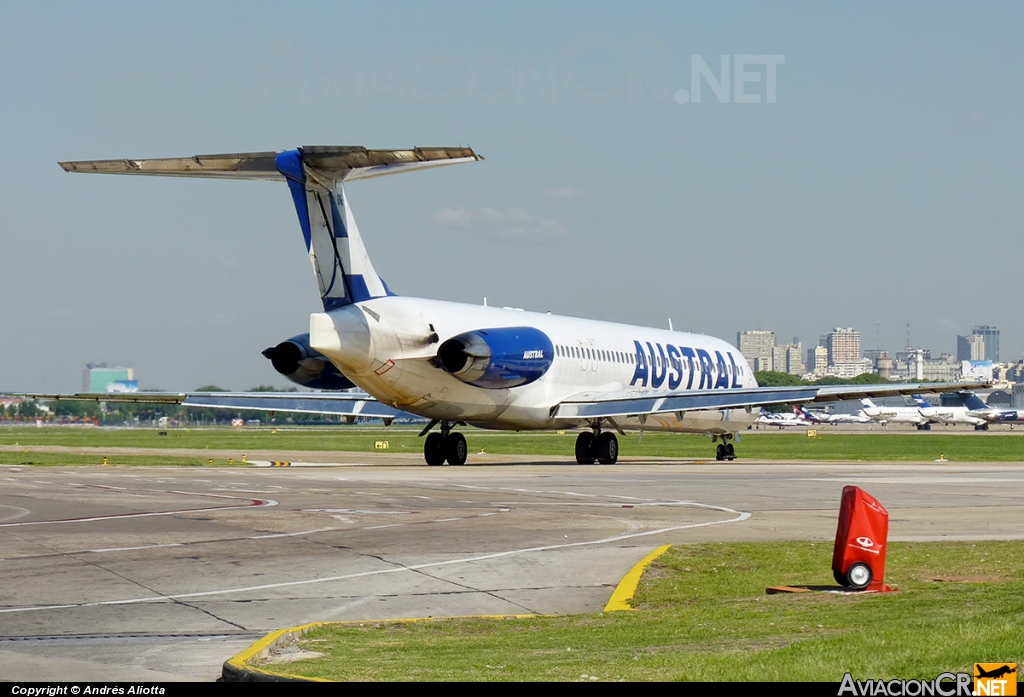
x,y
340,162
337,403
592,405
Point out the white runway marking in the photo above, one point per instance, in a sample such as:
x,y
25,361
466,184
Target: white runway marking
x,y
738,517
18,512
291,534
978,481
354,511
253,503
132,549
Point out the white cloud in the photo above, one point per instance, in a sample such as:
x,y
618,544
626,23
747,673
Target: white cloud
x,y
564,193
512,225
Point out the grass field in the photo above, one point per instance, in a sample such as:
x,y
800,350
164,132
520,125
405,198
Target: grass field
x,y
829,445
703,615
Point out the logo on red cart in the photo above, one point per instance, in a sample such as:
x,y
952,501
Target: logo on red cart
x,y
866,544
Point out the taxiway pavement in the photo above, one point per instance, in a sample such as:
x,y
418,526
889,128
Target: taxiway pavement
x,y
160,573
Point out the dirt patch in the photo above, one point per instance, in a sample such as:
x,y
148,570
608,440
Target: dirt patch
x,y
288,656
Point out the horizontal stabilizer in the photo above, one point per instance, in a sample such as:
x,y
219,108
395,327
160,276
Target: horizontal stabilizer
x,y
341,162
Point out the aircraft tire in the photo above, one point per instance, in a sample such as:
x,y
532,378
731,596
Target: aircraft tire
x,y
607,449
720,452
434,450
456,449
730,451
858,576
585,448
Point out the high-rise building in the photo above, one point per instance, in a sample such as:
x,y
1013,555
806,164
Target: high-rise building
x,y
843,345
757,346
788,359
820,360
970,348
991,337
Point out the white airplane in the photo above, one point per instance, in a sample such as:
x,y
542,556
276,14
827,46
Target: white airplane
x,y
896,415
781,420
995,415
460,365
824,418
949,415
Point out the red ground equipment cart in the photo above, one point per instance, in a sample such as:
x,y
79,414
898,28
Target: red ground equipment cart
x,y
858,560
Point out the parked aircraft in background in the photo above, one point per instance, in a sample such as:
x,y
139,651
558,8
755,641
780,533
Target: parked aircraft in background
x,y
991,415
460,365
822,418
949,415
896,415
767,418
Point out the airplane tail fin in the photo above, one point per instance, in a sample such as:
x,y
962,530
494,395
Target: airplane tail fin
x,y
973,402
314,176
801,412
868,404
921,402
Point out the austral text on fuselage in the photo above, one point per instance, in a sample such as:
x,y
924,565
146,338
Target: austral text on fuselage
x,y
675,362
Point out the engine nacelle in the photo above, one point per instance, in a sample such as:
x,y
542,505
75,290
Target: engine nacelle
x,y
305,366
496,358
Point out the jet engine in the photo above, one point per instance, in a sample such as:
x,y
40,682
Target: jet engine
x,y
304,366
497,358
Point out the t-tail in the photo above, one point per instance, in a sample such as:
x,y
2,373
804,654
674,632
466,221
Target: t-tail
x,y
973,402
315,176
921,402
805,415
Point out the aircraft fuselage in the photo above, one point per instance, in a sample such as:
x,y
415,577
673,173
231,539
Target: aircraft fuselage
x,y
389,347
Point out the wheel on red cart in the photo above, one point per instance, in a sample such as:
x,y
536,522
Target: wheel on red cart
x,y
858,575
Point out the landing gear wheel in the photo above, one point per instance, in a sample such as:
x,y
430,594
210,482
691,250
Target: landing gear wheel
x,y
607,449
585,448
730,451
838,576
720,452
456,449
433,450
858,576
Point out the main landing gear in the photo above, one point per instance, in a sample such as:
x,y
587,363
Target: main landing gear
x,y
447,445
725,449
595,446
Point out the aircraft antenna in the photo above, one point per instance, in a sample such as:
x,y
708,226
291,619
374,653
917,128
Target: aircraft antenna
x,y
670,325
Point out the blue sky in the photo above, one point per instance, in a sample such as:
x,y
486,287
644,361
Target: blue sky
x,y
881,186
